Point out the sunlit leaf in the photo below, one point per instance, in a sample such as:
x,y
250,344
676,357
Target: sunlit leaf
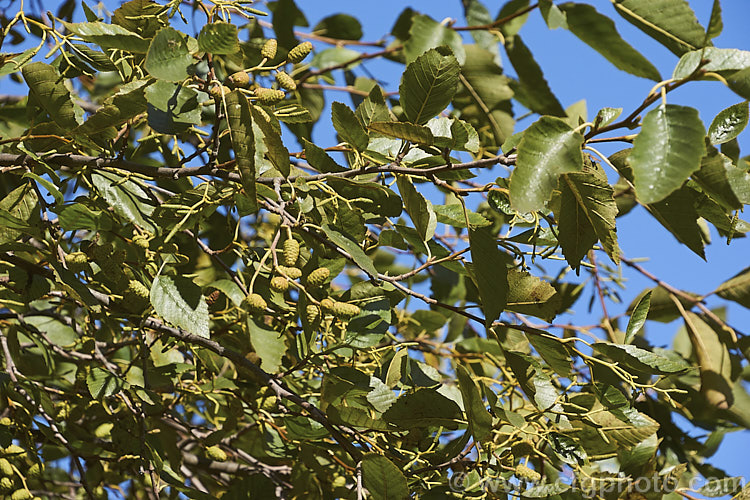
x,y
641,359
240,121
168,56
49,93
549,148
348,126
180,301
426,34
599,32
728,123
671,22
638,317
428,85
476,412
419,209
109,36
219,38
667,150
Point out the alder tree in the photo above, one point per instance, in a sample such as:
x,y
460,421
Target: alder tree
x,y
236,263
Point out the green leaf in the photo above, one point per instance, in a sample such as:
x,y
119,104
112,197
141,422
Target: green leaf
x,y
268,345
353,249
240,121
369,196
662,307
549,148
678,214
575,232
464,137
713,360
490,270
381,397
339,26
334,57
577,113
722,181
219,38
348,126
79,216
286,15
102,383
12,64
604,432
418,208
671,22
172,108
318,158
528,294
428,85
454,215
109,36
168,57
271,135
667,150
22,205
477,15
554,352
423,408
143,17
100,127
639,455
533,91
721,487
719,60
599,32
57,332
230,289
480,420
545,490
373,108
605,116
454,134
179,301
638,317
47,91
383,480
484,96
587,211
128,199
553,16
737,288
513,9
641,360
728,123
715,24
416,134
426,33
739,82
48,185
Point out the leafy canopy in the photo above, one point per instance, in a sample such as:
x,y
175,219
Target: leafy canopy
x,y
197,297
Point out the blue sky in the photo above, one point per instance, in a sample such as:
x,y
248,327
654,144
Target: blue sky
x,y
576,72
